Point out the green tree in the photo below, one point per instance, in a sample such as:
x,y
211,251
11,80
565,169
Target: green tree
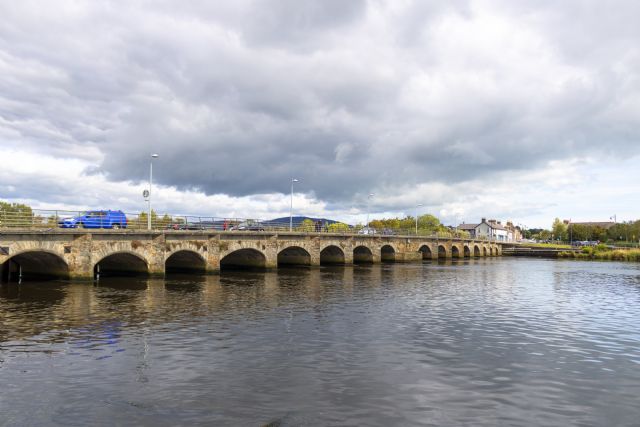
x,y
378,224
141,221
338,227
164,222
306,226
559,229
427,224
622,231
543,235
579,232
15,215
407,223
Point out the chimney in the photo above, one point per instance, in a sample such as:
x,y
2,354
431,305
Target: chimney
x,y
484,219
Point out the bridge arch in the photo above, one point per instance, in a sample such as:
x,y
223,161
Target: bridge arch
x,y
243,258
442,251
455,252
426,252
476,251
34,264
362,255
185,261
121,263
294,255
467,251
332,254
387,253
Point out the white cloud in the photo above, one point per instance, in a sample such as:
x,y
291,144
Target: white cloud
x,y
476,108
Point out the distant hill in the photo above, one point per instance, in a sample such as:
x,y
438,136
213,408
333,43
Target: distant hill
x,y
297,220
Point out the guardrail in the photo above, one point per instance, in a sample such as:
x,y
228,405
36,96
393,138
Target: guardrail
x,y
48,220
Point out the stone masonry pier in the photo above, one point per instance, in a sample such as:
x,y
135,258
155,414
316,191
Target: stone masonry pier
x,y
79,254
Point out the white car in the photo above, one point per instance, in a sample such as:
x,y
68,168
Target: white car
x,y
367,230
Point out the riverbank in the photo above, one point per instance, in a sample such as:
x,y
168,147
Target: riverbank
x,y
602,252
548,245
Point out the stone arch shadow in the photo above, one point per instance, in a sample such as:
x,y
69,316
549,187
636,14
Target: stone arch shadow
x,y
121,263
362,255
426,252
455,252
294,256
243,259
34,264
332,255
185,261
442,252
387,253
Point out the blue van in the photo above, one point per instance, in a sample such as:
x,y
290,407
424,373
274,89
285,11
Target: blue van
x,y
96,219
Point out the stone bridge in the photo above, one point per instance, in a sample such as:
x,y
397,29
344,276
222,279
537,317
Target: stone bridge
x,y
78,254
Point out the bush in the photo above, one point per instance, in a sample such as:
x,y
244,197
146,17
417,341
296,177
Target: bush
x,y
601,247
338,227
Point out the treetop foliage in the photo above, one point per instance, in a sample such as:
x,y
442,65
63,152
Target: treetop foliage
x,y
426,224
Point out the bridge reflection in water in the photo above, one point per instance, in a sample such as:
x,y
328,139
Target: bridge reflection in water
x,y
58,308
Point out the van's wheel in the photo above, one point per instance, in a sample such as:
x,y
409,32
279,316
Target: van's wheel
x,y
116,226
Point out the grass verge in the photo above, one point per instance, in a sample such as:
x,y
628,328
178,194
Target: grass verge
x,y
601,252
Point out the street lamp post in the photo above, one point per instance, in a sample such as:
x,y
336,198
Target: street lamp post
x,y
153,156
368,199
291,206
417,207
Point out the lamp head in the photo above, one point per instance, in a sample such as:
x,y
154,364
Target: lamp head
x,y
155,156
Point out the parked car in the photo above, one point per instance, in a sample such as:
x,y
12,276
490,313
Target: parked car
x,y
367,230
249,225
181,226
96,219
200,225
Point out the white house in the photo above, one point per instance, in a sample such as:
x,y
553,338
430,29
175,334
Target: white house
x,y
492,229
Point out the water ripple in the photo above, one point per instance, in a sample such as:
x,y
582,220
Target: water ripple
x,y
477,342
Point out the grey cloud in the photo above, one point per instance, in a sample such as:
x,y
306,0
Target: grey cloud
x,y
349,97
298,23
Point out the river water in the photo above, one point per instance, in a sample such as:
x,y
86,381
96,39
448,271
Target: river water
x,y
476,342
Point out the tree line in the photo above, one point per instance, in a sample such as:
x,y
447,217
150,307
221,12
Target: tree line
x,y
626,232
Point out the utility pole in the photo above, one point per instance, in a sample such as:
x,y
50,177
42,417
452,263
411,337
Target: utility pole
x,y
153,156
291,206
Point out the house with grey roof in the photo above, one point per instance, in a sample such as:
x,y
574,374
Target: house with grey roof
x,y
491,229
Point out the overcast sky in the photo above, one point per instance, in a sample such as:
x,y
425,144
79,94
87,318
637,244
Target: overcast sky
x,y
520,111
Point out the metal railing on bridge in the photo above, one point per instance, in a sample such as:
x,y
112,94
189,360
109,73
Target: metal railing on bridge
x,y
96,220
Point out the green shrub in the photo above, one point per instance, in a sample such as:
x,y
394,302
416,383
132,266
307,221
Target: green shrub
x,y
601,247
338,227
